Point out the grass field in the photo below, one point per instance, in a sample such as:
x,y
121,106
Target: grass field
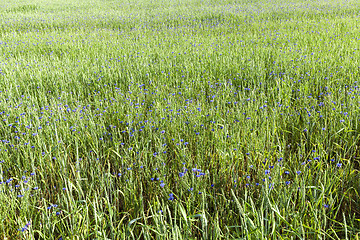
x,y
179,119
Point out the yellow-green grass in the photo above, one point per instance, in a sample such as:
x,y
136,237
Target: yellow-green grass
x,y
179,119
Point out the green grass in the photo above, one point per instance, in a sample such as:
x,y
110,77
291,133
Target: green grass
x,y
179,119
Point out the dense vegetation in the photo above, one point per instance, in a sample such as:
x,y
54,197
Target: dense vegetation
x,y
191,119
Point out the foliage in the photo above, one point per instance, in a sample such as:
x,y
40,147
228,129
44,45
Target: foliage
x,y
199,119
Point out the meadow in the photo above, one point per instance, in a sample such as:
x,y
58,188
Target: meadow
x,y
179,119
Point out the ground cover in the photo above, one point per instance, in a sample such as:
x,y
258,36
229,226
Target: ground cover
x,y
179,119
